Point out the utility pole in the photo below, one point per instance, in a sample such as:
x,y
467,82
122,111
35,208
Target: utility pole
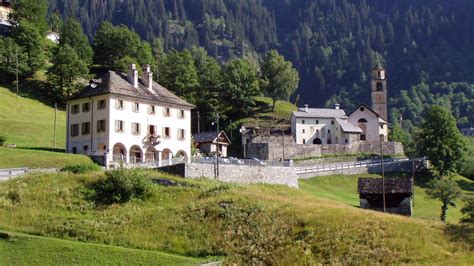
x,y
199,122
383,172
55,122
217,148
16,56
413,182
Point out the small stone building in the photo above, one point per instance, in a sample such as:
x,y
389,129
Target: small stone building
x,y
398,195
206,142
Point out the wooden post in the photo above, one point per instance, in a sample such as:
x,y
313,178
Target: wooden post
x,y
55,122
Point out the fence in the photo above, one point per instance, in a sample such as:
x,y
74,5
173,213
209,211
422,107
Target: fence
x,y
235,161
348,165
6,174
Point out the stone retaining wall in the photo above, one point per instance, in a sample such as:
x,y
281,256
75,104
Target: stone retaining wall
x,y
242,174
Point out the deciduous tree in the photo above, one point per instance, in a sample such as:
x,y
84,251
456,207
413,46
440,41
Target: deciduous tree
x,y
445,190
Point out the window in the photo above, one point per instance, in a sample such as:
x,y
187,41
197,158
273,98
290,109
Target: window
x,y
167,112
151,109
181,134
75,109
167,132
362,109
119,104
317,122
74,130
86,107
136,128
304,131
74,150
136,107
86,149
379,86
302,122
101,105
304,141
381,126
119,126
181,114
362,137
101,126
362,120
332,122
152,130
86,128
347,141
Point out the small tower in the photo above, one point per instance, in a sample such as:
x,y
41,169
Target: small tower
x,y
379,91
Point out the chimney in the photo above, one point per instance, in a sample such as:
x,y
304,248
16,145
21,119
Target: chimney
x,y
337,106
306,108
147,77
133,75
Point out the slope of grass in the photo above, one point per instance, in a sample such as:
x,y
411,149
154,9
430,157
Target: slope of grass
x,y
29,123
344,189
262,114
21,249
257,224
17,158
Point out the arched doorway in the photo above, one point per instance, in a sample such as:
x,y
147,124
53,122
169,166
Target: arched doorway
x,y
166,154
363,125
136,154
317,141
150,155
182,155
119,153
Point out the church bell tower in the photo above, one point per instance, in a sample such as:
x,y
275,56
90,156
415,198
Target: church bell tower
x,y
379,91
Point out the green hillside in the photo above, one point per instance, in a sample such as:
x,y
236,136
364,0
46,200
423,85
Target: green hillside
x,y
29,124
344,189
258,224
21,249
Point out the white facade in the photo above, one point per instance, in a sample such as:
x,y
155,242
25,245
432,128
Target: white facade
x,y
128,129
371,123
312,128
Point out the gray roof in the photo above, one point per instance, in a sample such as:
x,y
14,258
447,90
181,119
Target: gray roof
x,y
117,83
348,127
392,185
208,137
320,113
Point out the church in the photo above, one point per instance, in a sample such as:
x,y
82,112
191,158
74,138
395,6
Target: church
x,y
318,126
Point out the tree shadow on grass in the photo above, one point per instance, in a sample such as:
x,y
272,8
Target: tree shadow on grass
x,y
466,185
461,233
42,149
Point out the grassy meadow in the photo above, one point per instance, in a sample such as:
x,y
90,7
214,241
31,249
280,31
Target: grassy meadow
x,y
258,224
344,189
29,124
21,249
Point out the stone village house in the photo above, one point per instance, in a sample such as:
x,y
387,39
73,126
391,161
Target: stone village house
x,y
128,119
206,142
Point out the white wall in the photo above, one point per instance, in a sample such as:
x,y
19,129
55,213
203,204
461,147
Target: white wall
x,y
311,130
374,129
111,137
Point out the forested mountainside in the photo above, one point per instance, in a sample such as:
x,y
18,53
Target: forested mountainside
x,y
426,46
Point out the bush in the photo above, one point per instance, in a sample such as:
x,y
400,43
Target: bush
x,y
468,210
81,168
121,185
2,140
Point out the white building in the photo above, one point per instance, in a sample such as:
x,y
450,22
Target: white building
x,y
125,118
323,126
372,124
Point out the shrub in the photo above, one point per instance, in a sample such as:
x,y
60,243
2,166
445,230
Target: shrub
x,y
468,210
14,196
121,185
81,168
2,140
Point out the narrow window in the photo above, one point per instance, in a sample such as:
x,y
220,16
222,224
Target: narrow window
x,y
136,107
86,107
119,104
302,122
75,109
332,122
100,126
167,132
181,114
304,141
304,131
181,134
74,130
86,149
317,121
151,109
101,105
119,126
152,130
167,112
136,130
86,128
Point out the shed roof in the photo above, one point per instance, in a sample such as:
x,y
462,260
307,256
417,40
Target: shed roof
x,y
209,137
117,83
392,185
319,113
